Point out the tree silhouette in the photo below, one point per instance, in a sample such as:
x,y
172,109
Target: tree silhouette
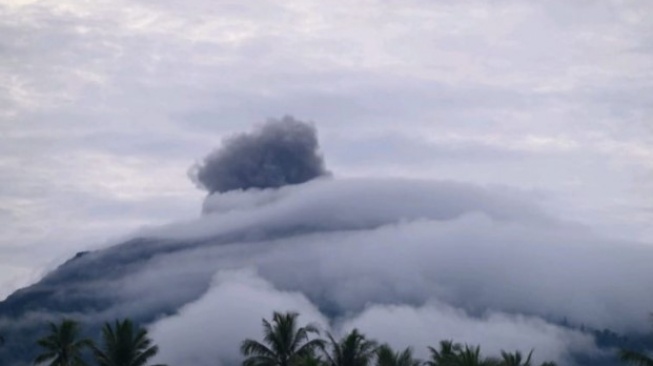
x,y
63,346
352,350
284,343
124,345
445,355
471,356
454,354
385,356
311,360
515,359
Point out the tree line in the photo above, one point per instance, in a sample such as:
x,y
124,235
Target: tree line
x,y
284,343
122,344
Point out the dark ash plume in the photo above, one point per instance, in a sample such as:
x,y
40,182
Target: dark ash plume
x,y
279,153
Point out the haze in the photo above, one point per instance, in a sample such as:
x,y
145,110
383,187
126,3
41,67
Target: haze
x,y
526,124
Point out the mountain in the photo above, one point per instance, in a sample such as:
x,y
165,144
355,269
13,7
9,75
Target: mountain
x,y
409,262
445,259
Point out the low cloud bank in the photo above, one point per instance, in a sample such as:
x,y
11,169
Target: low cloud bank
x,y
413,262
210,329
427,260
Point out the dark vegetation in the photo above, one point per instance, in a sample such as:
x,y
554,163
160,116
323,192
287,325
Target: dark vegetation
x,y
284,343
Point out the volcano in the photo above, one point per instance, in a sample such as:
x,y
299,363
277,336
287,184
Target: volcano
x,y
409,262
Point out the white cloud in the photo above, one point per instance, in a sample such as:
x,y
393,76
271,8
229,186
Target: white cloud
x,y
454,255
420,327
104,104
209,331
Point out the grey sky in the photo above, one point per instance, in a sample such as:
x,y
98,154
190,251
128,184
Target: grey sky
x,y
104,105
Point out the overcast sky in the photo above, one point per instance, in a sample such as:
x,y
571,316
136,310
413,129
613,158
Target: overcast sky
x,y
104,105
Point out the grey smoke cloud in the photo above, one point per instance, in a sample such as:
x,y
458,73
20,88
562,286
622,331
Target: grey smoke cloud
x,y
280,152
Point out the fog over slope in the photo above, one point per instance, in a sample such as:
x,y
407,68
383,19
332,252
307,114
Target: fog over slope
x,y
410,262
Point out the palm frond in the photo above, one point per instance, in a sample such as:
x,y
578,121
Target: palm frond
x,y
62,345
251,347
124,343
284,342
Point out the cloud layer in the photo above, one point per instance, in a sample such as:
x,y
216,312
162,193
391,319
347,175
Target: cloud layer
x,y
209,330
105,103
482,266
485,265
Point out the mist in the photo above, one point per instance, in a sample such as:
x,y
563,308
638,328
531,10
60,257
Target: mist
x,y
486,268
503,150
411,262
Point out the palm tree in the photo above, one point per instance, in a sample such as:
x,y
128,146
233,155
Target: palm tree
x,y
471,356
124,345
62,347
446,355
285,344
454,354
352,350
515,359
311,360
385,356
